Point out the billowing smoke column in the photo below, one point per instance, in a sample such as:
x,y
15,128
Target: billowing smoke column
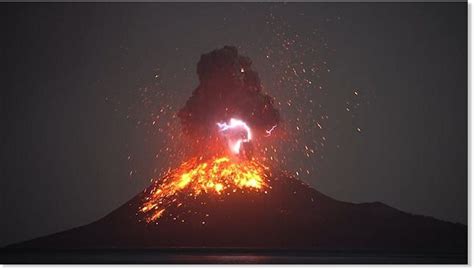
x,y
227,112
228,89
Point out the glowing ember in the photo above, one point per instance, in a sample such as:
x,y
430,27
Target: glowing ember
x,y
236,132
196,176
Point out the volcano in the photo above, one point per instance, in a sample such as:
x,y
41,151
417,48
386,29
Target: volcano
x,y
290,216
227,197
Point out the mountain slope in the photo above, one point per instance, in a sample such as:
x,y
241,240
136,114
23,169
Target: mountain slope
x,y
290,215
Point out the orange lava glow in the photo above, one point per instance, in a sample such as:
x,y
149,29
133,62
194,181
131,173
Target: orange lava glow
x,y
197,176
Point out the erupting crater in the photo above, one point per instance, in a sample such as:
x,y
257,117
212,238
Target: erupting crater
x,y
220,176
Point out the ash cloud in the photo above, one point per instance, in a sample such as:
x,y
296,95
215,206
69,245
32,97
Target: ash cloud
x,y
228,87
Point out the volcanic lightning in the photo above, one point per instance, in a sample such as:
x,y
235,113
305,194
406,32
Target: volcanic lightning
x,y
269,132
236,132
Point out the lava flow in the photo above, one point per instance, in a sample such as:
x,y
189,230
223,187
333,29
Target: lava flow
x,y
217,176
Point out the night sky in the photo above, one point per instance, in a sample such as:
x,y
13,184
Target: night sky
x,y
373,97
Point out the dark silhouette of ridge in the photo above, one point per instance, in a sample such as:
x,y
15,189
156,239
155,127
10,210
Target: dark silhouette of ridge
x,y
291,215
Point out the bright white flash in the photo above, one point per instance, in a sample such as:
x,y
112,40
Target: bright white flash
x,y
236,132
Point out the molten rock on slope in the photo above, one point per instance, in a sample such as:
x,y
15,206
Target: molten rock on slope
x,y
217,176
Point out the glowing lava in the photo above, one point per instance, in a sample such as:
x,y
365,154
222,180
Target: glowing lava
x,y
217,176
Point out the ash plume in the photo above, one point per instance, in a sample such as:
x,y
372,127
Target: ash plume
x,y
228,87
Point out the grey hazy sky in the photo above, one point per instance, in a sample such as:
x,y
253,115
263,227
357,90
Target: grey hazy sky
x,y
65,149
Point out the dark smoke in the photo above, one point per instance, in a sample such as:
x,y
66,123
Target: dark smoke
x,y
228,87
